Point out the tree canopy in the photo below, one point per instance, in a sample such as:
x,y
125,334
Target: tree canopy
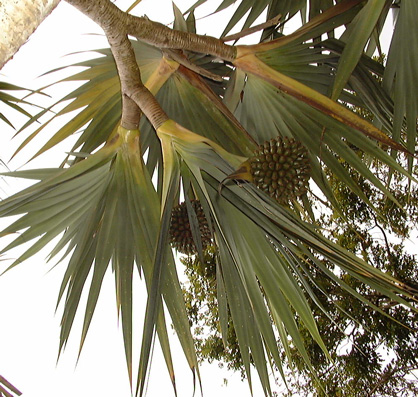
x,y
272,168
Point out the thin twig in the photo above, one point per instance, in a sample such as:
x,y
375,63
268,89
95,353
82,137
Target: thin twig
x,y
385,379
271,22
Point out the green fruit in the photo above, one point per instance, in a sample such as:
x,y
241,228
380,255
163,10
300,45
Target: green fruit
x,y
181,237
285,166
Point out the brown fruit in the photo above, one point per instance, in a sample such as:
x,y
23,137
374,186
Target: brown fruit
x,y
181,237
281,167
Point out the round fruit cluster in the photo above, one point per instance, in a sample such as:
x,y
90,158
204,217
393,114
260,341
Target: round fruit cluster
x,y
181,237
281,167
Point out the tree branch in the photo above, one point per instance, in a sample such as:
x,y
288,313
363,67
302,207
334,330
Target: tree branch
x,y
129,76
180,58
154,33
135,96
161,36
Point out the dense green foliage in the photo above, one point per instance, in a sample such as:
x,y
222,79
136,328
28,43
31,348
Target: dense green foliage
x,y
375,353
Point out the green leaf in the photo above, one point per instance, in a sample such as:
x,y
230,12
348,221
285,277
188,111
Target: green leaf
x,y
121,197
266,114
179,21
401,76
253,65
170,187
362,27
97,101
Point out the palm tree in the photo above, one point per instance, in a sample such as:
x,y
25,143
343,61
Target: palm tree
x,y
167,116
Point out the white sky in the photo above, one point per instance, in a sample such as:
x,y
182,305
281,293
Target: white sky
x,y
29,327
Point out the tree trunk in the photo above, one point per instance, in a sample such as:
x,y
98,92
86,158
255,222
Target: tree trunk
x,y
19,19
